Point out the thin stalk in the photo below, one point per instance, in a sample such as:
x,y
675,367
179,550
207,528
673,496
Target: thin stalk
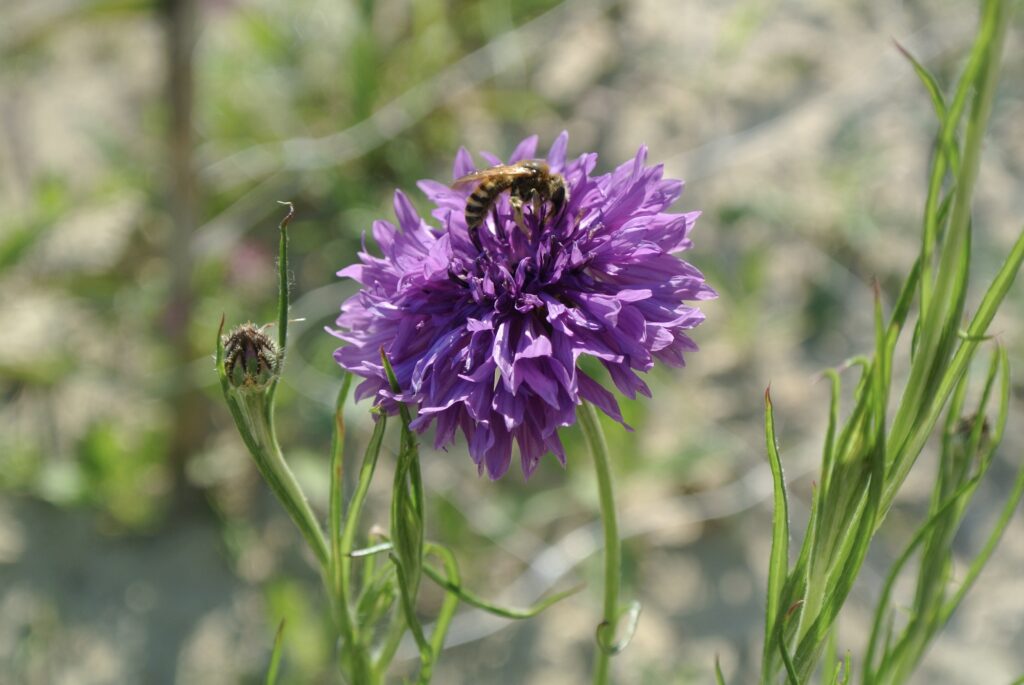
x,y
612,551
283,302
341,593
274,469
355,505
451,599
363,668
337,466
389,646
475,600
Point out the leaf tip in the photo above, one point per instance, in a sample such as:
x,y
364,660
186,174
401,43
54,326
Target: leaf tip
x,y
899,46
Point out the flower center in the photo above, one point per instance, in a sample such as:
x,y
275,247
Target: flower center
x,y
524,251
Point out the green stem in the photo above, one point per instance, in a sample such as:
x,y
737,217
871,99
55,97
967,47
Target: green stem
x,y
282,274
249,410
363,668
358,659
340,589
282,304
451,599
612,550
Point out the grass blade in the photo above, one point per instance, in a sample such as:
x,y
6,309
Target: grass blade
x,y
778,566
275,654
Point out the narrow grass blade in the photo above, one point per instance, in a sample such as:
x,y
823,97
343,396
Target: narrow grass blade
x,y
930,84
778,566
275,654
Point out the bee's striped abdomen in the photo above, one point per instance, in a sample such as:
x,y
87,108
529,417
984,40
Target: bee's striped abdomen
x,y
482,199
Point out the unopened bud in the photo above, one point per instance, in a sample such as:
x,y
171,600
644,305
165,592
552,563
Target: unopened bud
x,y
251,358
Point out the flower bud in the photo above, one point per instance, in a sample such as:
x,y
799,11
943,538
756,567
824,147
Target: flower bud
x,y
251,358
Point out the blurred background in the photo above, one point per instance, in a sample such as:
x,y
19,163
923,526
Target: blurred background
x,y
143,147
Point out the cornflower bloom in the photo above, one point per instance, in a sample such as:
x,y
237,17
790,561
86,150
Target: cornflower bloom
x,y
485,328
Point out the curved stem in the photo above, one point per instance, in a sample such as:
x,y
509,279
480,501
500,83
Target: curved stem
x,y
612,552
250,415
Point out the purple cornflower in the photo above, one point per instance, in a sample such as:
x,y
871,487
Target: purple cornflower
x,y
485,334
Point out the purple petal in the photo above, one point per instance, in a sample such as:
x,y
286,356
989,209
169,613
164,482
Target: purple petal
x,y
463,163
525,150
556,155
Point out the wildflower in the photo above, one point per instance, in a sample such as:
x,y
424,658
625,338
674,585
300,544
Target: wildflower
x,y
485,331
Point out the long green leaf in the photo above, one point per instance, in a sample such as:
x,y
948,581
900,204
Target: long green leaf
x,y
473,599
778,566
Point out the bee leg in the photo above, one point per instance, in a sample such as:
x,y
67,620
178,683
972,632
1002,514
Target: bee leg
x,y
517,214
538,207
557,202
474,236
499,228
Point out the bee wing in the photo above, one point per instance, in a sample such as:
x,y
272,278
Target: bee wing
x,y
500,171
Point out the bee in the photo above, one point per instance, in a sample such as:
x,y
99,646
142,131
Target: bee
x,y
527,181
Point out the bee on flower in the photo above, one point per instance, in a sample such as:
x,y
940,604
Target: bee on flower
x,y
485,314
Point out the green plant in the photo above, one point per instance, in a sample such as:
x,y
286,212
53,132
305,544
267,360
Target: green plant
x,y
867,456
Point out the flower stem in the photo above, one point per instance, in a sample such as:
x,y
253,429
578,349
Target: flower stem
x,y
612,552
250,412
